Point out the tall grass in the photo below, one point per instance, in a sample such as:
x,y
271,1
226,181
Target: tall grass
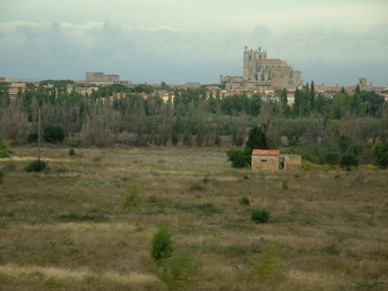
x,y
97,219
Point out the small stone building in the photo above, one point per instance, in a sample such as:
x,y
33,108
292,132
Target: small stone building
x,y
272,160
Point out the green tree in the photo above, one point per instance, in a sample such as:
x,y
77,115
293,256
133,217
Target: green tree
x,y
53,134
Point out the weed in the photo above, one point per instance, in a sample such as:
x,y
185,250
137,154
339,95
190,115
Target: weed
x,y
60,169
206,179
260,216
131,199
162,245
196,187
71,152
244,201
178,272
332,250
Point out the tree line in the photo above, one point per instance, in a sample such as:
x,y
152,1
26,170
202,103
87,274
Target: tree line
x,y
191,117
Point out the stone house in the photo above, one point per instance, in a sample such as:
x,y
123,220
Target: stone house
x,y
272,160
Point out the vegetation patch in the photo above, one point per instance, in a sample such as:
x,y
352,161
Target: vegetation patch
x,y
162,245
36,166
260,216
203,208
4,151
74,217
244,201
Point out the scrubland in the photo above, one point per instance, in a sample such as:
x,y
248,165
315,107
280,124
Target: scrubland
x,y
74,227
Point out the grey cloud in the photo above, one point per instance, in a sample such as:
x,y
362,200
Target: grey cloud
x,y
140,54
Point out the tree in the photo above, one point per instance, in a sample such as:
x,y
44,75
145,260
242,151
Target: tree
x,y
348,161
53,134
257,140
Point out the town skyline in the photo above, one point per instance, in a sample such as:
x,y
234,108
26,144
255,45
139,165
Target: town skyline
x,y
192,41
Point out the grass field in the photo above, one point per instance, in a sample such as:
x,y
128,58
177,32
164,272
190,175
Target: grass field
x,y
87,223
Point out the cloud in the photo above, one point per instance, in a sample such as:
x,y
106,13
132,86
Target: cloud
x,y
176,54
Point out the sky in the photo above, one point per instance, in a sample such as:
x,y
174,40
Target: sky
x,y
330,42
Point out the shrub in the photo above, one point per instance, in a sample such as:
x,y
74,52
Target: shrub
x,y
244,201
32,137
177,272
238,158
53,134
36,166
260,216
347,161
306,154
196,187
4,152
344,142
162,245
380,152
71,152
332,157
1,177
131,199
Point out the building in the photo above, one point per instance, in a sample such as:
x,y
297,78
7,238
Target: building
x,y
100,77
261,73
272,160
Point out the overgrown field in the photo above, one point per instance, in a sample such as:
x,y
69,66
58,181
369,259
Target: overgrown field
x,y
88,222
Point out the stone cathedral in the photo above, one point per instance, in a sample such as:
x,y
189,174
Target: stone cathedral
x,y
261,73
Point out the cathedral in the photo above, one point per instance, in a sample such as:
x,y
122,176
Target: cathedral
x,y
261,73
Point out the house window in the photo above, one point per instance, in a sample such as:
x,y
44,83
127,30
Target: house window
x,y
263,161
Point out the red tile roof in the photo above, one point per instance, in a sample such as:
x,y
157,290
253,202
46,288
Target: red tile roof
x,y
265,152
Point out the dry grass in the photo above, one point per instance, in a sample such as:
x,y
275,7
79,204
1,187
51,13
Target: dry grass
x,y
67,228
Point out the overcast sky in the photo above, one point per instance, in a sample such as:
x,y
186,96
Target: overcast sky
x,y
177,41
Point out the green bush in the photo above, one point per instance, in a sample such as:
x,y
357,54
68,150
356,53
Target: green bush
x,y
162,245
1,177
131,199
71,152
238,158
177,272
348,161
244,201
53,134
260,216
36,166
380,152
306,154
32,137
4,152
332,157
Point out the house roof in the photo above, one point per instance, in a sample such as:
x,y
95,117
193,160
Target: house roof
x,y
257,152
